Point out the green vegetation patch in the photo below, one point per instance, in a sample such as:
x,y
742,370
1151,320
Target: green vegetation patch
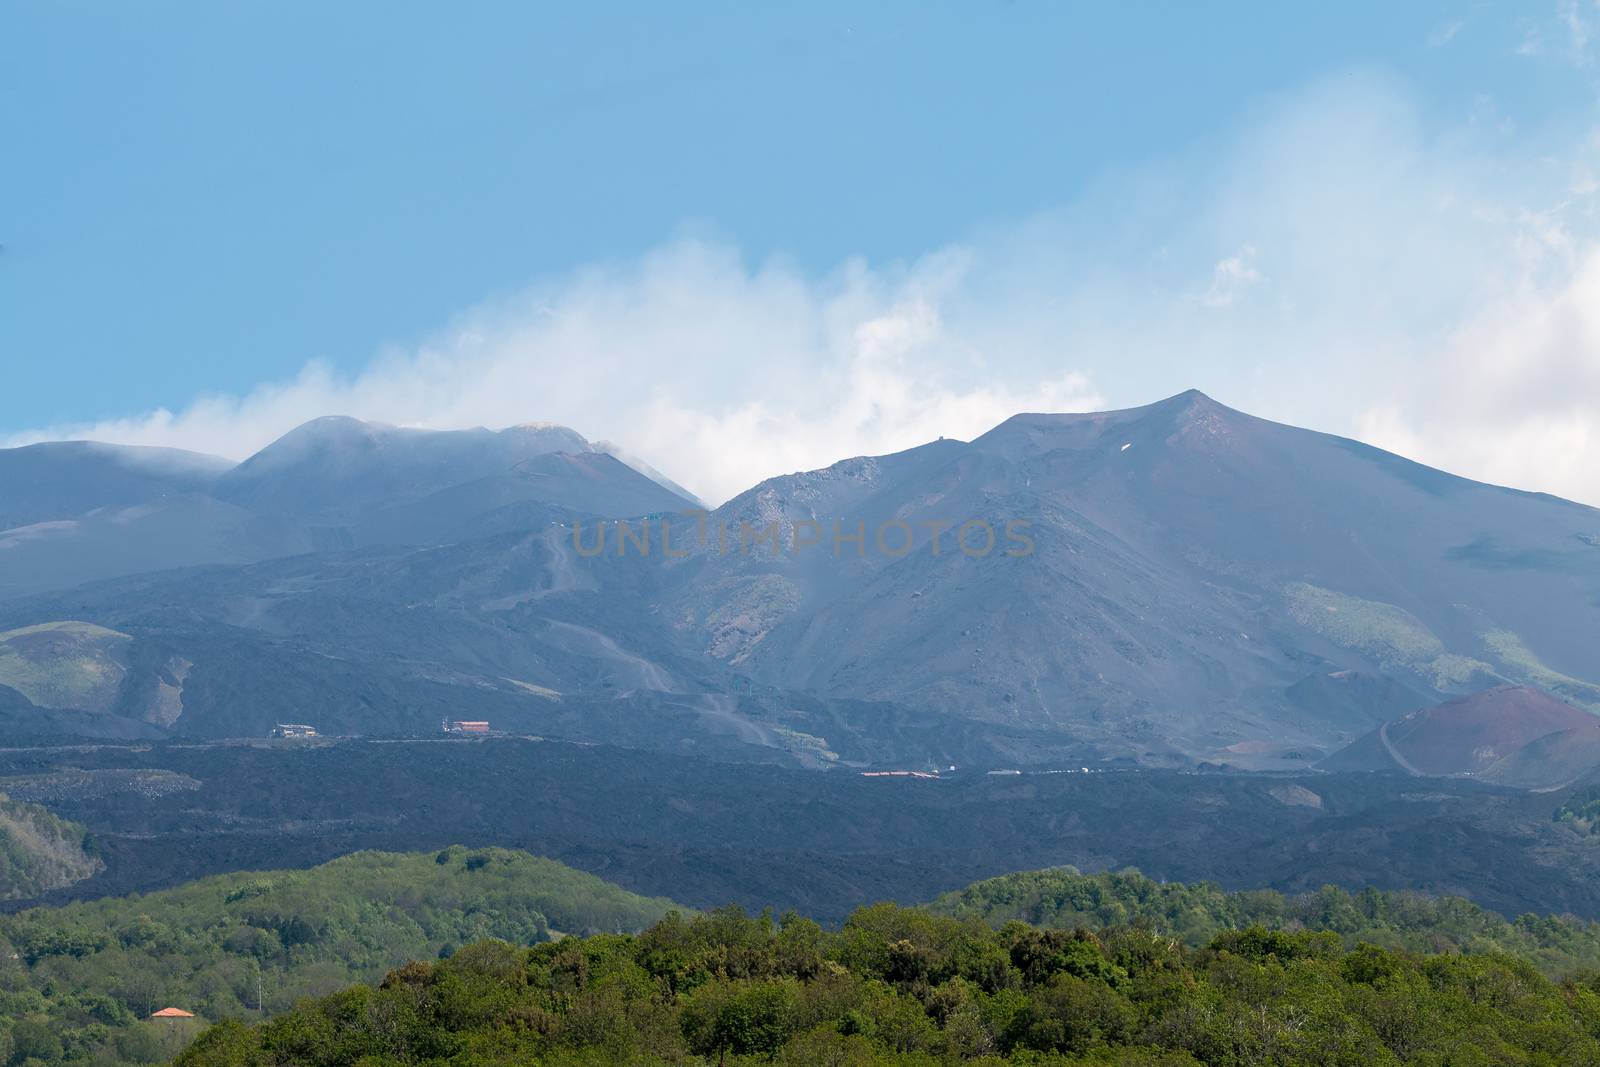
x,y
244,944
39,852
65,664
536,690
1581,810
1197,913
810,748
1390,634
1527,667
907,987
744,611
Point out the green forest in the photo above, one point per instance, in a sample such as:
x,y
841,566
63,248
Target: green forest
x,y
1197,913
1582,810
907,987
1039,966
39,851
78,981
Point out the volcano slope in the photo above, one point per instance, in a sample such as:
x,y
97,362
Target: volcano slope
x,y
1198,585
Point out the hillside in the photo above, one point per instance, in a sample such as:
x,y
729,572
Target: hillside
x,y
68,677
903,986
39,852
61,480
65,665
1514,735
233,945
1192,568
79,511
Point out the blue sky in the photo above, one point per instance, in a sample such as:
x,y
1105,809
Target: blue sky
x,y
694,228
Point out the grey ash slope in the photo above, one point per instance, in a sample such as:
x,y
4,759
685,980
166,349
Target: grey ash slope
x,y
337,467
77,512
64,479
550,486
1204,585
365,483
322,579
1193,566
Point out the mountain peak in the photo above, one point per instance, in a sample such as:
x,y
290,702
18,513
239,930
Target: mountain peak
x,y
1032,433
1187,405
330,464
338,424
550,436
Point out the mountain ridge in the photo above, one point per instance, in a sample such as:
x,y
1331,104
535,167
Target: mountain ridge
x,y
1195,578
1162,498
75,512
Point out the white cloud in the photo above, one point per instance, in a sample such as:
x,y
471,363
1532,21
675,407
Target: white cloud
x,y
1514,397
1434,290
1580,30
1568,34
717,372
1444,33
1231,277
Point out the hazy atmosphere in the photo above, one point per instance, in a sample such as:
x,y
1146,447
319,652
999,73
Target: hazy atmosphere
x,y
935,533
1384,231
